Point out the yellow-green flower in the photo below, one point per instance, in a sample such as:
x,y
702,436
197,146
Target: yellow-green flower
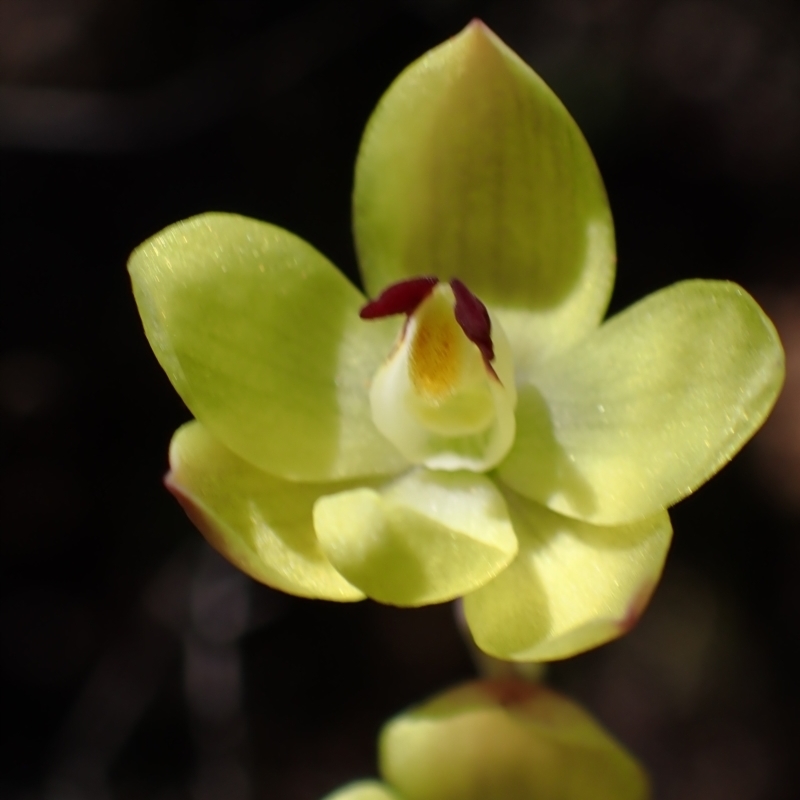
x,y
502,740
483,434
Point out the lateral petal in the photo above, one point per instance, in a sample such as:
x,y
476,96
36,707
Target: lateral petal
x,y
260,523
573,586
649,407
260,335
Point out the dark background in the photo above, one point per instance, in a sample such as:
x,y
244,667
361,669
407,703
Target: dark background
x,y
134,663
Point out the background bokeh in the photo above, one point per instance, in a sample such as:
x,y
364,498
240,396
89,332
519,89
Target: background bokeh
x,y
134,663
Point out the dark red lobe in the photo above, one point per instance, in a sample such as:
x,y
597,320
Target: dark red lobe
x,y
473,318
399,298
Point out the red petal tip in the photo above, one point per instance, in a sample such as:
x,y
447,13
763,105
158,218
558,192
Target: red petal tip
x,y
399,298
472,316
636,607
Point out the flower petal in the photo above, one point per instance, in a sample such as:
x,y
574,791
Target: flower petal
x,y
424,538
261,337
470,167
364,790
260,523
505,740
572,587
640,414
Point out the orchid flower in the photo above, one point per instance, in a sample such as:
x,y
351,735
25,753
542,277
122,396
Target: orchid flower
x,y
474,429
505,740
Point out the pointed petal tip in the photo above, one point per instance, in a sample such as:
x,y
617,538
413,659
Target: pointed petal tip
x,y
476,24
478,32
636,607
